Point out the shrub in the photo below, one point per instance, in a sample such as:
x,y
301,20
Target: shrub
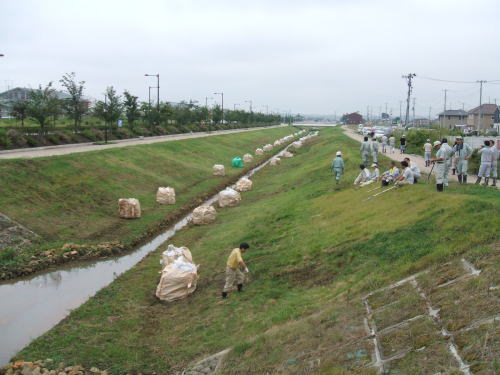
x,y
18,138
53,138
93,134
5,141
33,141
64,136
123,133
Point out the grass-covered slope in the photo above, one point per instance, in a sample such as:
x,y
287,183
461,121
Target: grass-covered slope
x,y
73,198
314,251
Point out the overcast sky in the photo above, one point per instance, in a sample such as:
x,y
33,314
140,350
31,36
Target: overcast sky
x,y
306,56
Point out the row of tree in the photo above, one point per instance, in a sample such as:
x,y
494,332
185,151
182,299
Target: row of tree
x,y
44,104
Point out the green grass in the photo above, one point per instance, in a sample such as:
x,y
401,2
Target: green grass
x,y
314,250
73,198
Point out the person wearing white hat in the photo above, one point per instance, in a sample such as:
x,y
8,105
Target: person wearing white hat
x,y
375,174
392,143
338,167
427,152
363,176
462,152
384,144
439,163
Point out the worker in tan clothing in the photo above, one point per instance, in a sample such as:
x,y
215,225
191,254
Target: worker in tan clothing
x,y
234,269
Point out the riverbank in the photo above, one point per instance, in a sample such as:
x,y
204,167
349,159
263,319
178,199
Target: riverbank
x,y
71,200
316,250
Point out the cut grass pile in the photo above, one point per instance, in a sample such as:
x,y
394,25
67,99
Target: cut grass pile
x,y
73,198
315,250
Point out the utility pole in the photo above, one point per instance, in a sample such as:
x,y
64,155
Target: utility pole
x,y
250,102
385,107
400,111
430,108
479,120
367,113
408,77
413,109
206,101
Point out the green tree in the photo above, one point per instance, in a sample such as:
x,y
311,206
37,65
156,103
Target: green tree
x,y
111,109
131,107
20,110
43,104
74,106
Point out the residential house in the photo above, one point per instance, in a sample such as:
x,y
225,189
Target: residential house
x,y
490,115
453,117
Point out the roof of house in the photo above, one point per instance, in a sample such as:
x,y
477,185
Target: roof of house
x,y
486,109
454,112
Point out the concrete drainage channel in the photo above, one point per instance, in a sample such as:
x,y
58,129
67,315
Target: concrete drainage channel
x,y
383,362
33,305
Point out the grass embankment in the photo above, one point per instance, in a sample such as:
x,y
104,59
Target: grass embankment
x,y
73,198
314,251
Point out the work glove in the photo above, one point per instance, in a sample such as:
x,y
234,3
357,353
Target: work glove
x,y
247,270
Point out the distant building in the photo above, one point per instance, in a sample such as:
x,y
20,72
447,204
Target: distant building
x,y
490,115
453,117
353,118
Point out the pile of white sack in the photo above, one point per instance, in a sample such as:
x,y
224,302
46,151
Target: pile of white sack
x,y
267,147
179,275
247,158
287,154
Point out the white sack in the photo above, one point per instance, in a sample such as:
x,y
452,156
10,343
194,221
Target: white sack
x,y
268,148
243,184
297,144
173,253
178,280
259,152
219,170
247,158
129,208
229,198
165,195
287,154
204,215
275,161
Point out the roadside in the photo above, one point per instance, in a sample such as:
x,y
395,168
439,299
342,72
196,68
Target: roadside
x,y
85,147
417,159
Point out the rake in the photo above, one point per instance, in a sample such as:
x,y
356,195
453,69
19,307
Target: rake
x,y
382,192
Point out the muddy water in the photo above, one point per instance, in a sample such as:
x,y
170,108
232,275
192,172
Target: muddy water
x,y
31,306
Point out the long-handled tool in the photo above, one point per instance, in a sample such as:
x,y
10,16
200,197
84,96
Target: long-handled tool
x,y
430,173
382,192
379,187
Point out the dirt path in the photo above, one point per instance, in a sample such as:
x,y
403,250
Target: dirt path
x,y
85,147
419,160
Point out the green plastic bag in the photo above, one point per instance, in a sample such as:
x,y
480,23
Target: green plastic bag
x,y
237,162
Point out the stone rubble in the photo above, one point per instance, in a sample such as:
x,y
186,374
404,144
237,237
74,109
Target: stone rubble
x,y
47,367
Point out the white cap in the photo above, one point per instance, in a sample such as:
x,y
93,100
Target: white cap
x,y
428,140
437,143
374,164
458,137
339,153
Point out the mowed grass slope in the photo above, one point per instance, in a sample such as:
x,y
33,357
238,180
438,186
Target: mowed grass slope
x,y
314,249
74,197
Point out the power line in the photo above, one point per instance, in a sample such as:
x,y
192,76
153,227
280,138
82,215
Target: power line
x,y
443,80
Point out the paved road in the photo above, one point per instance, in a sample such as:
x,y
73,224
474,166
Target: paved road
x,y
419,160
27,153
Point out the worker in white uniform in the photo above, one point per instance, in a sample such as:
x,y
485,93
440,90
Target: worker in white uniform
x,y
384,144
439,166
374,150
494,162
392,143
486,153
415,170
364,175
462,152
427,152
447,152
406,177
365,150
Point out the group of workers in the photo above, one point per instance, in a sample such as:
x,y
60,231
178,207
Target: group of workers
x,y
457,159
446,158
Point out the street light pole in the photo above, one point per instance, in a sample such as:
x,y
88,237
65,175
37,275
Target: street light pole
x,y
249,101
157,87
222,99
234,106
